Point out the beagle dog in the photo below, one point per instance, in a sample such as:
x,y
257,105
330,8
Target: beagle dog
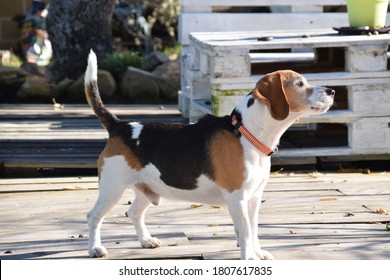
x,y
218,160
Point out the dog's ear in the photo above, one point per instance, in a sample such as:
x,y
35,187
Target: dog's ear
x,y
270,91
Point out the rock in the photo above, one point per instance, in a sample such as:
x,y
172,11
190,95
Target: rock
x,y
11,79
106,83
34,88
34,69
139,86
169,76
155,59
61,88
10,75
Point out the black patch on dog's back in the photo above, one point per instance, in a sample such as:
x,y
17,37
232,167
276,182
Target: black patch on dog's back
x,y
180,153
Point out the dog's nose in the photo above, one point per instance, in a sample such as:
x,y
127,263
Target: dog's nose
x,y
330,91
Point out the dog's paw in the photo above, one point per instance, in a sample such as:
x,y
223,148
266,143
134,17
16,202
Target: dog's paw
x,y
150,242
265,255
98,252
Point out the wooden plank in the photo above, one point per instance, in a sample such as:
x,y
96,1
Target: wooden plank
x,y
48,186
254,3
319,38
50,163
85,110
281,57
54,180
50,156
63,135
41,152
346,176
319,79
214,22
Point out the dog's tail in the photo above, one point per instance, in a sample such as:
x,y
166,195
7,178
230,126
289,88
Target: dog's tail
x,y
107,119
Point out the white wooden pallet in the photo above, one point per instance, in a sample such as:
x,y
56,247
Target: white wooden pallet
x,y
209,16
220,71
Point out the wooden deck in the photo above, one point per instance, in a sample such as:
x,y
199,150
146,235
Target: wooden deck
x,y
305,216
43,136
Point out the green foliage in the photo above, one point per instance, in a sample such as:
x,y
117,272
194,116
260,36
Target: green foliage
x,y
117,63
168,13
172,51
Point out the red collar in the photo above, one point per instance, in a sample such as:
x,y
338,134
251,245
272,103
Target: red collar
x,y
252,139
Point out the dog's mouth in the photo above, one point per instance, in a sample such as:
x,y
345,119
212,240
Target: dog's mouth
x,y
321,108
322,105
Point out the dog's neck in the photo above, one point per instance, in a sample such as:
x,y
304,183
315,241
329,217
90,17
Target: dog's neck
x,y
258,120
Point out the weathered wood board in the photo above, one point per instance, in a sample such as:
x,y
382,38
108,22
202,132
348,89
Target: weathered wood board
x,y
41,136
304,216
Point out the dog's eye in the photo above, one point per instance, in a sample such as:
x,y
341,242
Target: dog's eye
x,y
300,84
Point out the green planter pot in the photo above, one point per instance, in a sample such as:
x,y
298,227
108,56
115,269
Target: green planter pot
x,y
371,13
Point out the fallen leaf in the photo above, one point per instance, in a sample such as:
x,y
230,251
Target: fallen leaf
x,y
72,189
196,205
215,207
57,106
349,214
366,171
328,199
354,170
388,226
277,172
381,211
292,232
314,174
213,225
377,211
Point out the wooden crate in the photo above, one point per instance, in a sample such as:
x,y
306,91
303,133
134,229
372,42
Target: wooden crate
x,y
212,16
359,64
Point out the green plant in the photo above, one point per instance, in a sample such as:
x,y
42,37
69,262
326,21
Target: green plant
x,y
168,13
117,63
172,51
163,17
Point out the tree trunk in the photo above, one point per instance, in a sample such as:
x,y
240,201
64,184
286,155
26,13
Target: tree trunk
x,y
76,26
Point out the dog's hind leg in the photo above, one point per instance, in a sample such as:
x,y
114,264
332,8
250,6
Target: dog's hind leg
x,y
136,213
111,188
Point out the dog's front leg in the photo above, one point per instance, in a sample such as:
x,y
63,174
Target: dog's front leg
x,y
238,209
254,208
